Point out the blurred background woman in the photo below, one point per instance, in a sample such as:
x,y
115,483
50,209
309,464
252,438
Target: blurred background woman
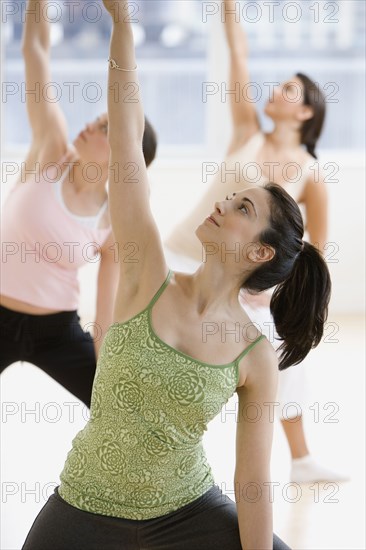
x,y
55,220
285,155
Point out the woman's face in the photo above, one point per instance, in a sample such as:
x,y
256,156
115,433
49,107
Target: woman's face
x,y
92,143
287,100
235,225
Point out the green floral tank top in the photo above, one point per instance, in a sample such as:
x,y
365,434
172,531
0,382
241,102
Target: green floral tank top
x,y
140,455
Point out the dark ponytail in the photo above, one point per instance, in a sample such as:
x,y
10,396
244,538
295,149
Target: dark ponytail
x,y
311,129
299,304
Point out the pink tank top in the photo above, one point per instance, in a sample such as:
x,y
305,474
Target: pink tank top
x,y
238,172
43,245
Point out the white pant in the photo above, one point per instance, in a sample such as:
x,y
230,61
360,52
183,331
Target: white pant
x,y
292,382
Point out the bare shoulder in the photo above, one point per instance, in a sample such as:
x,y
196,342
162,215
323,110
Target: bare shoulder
x,y
259,366
315,188
242,134
51,162
50,147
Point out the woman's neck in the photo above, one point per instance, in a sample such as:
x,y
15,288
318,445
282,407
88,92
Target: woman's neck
x,y
284,136
84,186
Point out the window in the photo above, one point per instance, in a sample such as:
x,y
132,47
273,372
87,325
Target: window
x,y
174,39
171,51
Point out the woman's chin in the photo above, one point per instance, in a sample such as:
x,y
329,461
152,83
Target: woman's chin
x,y
200,232
268,110
78,147
76,144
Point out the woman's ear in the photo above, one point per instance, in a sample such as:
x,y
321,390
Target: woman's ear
x,y
306,113
259,253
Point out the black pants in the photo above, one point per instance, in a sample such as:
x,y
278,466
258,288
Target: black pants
x,y
56,343
208,523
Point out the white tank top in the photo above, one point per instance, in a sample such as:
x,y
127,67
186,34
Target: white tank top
x,y
91,222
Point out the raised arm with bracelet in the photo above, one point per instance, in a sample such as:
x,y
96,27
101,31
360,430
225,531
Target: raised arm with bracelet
x,y
131,217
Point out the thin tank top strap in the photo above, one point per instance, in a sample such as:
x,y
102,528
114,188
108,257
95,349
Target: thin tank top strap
x,y
295,189
256,141
101,212
247,349
306,167
64,174
161,290
58,182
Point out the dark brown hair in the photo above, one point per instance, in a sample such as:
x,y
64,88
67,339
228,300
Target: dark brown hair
x,y
311,129
299,304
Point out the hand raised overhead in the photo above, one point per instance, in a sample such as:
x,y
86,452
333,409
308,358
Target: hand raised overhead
x,y
118,9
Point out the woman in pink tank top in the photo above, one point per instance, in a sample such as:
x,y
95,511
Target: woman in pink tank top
x,y
56,219
297,108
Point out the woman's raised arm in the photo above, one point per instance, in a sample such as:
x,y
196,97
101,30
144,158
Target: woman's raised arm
x,y
49,129
315,199
244,114
132,221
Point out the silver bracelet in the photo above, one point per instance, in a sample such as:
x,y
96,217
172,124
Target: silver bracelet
x,y
113,65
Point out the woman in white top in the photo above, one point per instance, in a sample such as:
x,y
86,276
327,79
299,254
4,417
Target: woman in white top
x,y
297,108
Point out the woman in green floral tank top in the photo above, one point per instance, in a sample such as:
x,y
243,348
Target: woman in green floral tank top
x,y
137,475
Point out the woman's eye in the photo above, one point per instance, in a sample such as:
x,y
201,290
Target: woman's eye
x,y
244,207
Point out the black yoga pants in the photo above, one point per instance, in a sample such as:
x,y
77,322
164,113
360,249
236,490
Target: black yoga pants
x,y
208,523
56,343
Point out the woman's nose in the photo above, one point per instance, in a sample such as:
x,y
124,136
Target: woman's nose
x,y
219,207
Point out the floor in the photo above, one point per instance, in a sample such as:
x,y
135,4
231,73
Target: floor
x,y
39,420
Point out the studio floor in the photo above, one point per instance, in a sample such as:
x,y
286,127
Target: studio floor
x,y
40,419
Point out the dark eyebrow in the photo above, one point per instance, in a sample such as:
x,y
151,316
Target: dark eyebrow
x,y
248,200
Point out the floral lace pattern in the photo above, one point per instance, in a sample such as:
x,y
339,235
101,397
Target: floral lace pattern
x,y
141,455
